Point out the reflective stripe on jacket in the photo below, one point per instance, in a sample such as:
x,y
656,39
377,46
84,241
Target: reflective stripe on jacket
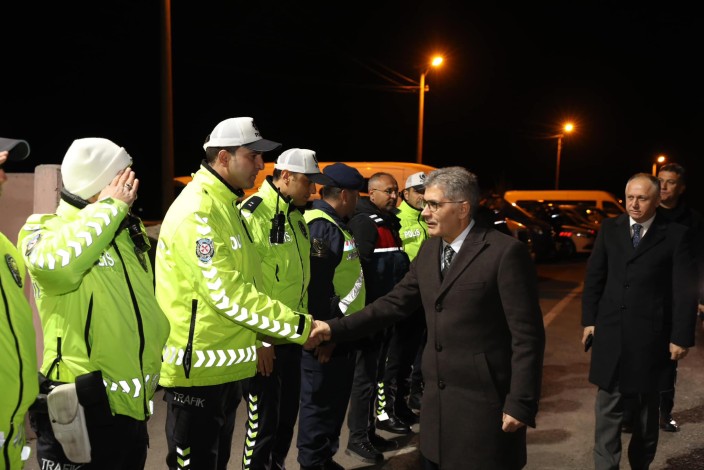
x,y
414,230
349,279
18,372
207,278
95,297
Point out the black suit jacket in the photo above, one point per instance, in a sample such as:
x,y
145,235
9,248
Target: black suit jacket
x,y
639,301
484,352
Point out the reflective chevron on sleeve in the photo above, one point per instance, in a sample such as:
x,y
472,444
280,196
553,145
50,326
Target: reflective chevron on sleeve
x,y
212,357
232,310
65,255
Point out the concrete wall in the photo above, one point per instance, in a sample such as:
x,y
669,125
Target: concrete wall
x,y
25,194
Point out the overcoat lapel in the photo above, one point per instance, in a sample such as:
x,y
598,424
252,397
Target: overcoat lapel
x,y
654,235
471,247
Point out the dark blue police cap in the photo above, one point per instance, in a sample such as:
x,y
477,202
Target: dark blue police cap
x,y
344,176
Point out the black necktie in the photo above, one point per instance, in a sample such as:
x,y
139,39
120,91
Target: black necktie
x,y
447,255
636,234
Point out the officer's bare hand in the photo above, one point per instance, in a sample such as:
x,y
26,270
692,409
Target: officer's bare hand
x,y
510,424
265,360
677,352
123,187
324,352
3,156
318,333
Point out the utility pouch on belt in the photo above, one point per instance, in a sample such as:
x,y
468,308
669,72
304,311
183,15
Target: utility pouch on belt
x,y
68,422
76,410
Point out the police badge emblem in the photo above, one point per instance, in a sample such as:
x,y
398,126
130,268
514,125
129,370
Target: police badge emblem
x,y
14,269
205,250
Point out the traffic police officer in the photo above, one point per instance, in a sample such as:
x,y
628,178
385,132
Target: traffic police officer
x,y
18,372
405,350
274,216
208,279
103,329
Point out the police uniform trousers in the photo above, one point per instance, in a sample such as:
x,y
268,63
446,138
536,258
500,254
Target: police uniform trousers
x,y
199,425
272,404
368,371
405,340
643,408
325,393
120,444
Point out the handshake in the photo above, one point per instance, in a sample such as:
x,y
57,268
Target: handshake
x,y
319,332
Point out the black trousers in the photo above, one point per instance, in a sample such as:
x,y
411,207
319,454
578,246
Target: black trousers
x,y
120,445
609,410
272,404
368,371
406,336
667,394
200,422
325,392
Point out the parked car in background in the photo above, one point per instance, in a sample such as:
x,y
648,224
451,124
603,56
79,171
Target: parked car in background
x,y
603,200
575,233
538,235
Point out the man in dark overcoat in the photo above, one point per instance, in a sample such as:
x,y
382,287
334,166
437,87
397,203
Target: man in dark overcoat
x,y
638,304
482,363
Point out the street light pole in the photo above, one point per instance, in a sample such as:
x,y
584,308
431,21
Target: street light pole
x,y
437,60
557,168
567,128
661,159
421,105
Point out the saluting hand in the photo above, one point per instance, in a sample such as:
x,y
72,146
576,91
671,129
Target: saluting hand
x,y
123,187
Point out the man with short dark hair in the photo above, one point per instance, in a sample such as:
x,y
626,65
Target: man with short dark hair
x,y
274,216
674,209
208,276
638,308
483,361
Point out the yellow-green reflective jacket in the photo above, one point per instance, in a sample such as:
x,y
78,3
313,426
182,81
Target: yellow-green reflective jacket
x,y
286,265
349,279
95,298
414,230
18,372
208,276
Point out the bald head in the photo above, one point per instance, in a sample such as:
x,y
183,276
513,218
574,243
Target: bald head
x,y
642,196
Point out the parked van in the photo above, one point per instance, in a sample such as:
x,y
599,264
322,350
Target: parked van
x,y
600,199
400,170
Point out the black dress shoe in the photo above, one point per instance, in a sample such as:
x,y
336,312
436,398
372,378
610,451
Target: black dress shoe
x,y
364,451
669,425
393,425
381,444
404,413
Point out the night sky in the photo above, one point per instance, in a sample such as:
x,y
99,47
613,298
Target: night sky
x,y
311,76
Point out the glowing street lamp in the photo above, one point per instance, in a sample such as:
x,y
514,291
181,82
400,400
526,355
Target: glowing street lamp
x,y
566,129
660,160
437,60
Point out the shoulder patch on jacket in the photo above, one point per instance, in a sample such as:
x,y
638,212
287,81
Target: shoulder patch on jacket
x,y
320,248
14,270
252,203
